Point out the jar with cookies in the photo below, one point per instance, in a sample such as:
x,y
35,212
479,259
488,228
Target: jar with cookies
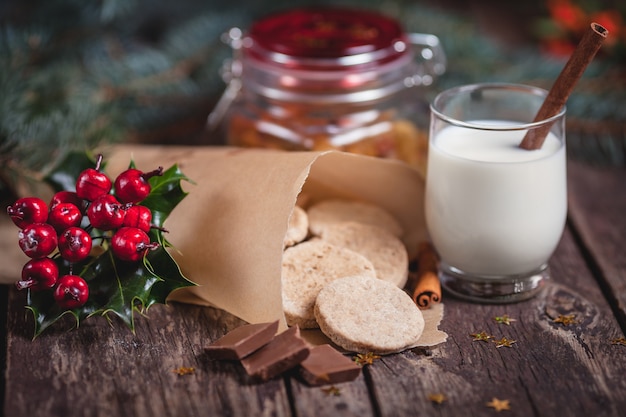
x,y
329,78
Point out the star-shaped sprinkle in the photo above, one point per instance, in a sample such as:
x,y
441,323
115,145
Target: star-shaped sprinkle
x,y
437,398
566,320
481,337
504,342
184,370
505,319
499,405
332,390
619,341
368,358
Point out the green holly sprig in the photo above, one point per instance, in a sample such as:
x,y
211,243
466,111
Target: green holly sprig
x,y
117,288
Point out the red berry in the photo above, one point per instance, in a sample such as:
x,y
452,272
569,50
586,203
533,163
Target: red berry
x,y
67,197
74,244
92,183
38,274
132,185
139,217
131,244
106,213
38,240
71,292
64,215
28,210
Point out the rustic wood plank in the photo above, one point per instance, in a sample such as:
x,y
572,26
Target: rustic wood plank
x,y
3,347
550,370
103,370
597,198
351,400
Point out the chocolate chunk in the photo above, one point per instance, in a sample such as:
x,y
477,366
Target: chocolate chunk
x,y
284,352
242,341
326,365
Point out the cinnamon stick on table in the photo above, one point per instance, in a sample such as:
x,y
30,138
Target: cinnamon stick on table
x,y
427,287
564,84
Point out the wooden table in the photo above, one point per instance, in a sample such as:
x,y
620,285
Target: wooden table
x,y
552,369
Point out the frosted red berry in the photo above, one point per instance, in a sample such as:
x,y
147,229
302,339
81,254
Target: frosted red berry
x,y
132,185
74,244
64,215
38,240
92,183
28,210
139,217
71,292
131,244
38,274
106,213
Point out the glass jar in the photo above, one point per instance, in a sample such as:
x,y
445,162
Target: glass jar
x,y
329,78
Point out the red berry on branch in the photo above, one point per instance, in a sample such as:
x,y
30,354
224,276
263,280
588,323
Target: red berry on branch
x,y
92,183
38,274
74,244
132,185
71,292
67,197
38,240
139,217
64,215
106,213
28,210
131,244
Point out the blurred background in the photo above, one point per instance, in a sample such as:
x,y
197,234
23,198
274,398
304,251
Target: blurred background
x,y
77,73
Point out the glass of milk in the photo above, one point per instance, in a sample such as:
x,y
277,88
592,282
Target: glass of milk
x,y
495,212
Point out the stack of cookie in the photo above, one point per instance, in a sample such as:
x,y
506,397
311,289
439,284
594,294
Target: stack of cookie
x,y
343,270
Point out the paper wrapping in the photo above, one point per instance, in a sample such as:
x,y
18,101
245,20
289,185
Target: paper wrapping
x,y
228,232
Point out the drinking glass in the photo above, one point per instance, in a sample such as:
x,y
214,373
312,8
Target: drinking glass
x,y
495,212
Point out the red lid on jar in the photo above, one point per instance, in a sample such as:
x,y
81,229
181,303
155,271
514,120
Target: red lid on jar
x,y
344,36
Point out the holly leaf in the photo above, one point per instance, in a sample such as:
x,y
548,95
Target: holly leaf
x,y
45,310
161,261
166,192
114,286
119,288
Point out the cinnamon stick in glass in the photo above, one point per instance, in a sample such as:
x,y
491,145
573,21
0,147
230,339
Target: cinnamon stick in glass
x,y
564,84
427,287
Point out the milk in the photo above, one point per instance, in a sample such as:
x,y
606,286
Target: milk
x,y
492,208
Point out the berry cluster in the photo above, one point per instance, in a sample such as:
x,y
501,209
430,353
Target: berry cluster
x,y
66,228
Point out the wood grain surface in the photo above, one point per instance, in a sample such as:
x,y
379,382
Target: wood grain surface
x,y
552,369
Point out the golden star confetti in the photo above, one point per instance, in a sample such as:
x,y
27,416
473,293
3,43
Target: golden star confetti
x,y
619,341
368,358
332,390
505,319
481,337
499,405
437,398
566,320
184,370
504,342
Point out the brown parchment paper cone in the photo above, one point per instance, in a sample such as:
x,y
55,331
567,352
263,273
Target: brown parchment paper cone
x,y
228,232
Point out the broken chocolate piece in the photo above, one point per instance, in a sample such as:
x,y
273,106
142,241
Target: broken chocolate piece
x,y
326,365
242,341
284,352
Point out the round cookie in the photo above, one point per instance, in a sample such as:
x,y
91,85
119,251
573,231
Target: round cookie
x,y
306,268
333,211
362,315
386,252
297,228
